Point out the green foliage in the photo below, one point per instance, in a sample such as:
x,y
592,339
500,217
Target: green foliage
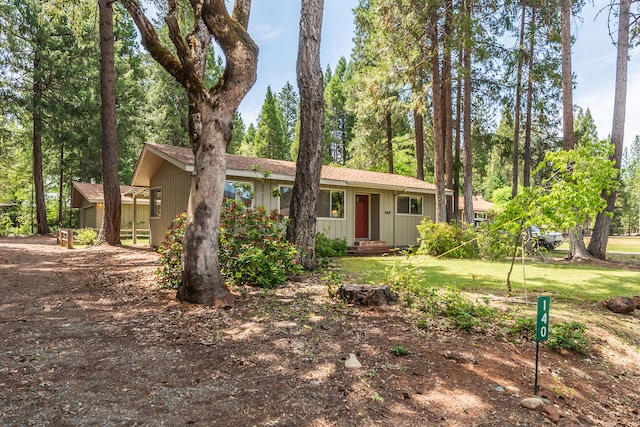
x,y
330,248
445,239
170,250
449,303
400,350
569,336
87,236
271,136
494,244
253,249
524,327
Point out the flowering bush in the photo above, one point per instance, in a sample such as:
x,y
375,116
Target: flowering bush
x,y
252,248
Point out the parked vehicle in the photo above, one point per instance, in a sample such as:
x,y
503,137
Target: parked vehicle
x,y
546,239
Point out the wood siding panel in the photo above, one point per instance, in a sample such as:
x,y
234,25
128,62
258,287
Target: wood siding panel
x,y
175,184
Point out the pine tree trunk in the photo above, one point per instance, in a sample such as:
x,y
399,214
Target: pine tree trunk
x,y
567,77
110,230
602,228
456,167
438,142
468,148
516,114
306,189
38,180
526,172
447,105
418,124
61,183
389,150
577,248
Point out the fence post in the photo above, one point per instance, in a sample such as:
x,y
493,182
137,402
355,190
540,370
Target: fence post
x,y
70,239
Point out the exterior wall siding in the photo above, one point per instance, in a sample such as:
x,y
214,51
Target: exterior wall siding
x,y
175,184
395,229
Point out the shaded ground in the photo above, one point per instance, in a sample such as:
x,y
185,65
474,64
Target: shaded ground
x,y
88,338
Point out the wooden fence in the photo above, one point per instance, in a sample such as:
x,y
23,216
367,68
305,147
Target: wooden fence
x,y
65,238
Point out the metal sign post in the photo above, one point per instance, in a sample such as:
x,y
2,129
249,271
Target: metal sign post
x,y
542,331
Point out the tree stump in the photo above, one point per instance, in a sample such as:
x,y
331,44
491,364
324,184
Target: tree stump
x,y
367,295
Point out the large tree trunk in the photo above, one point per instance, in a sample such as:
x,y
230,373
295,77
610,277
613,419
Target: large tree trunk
x,y
202,281
306,189
567,77
468,148
456,164
577,248
210,125
438,143
447,104
602,228
526,172
38,181
418,125
61,182
110,231
516,114
389,150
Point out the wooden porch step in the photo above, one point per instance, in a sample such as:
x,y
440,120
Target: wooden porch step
x,y
369,247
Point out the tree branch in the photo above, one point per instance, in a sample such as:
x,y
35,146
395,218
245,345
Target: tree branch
x,y
151,41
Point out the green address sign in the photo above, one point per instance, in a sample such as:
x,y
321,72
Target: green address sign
x,y
542,324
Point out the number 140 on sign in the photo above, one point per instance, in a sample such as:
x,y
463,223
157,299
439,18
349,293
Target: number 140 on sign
x,y
542,324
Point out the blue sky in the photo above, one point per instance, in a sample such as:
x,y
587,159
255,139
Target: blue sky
x,y
274,27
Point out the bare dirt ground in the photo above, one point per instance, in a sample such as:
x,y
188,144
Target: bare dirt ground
x,y
87,337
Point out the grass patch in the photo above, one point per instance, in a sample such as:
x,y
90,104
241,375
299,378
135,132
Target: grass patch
x,y
566,281
615,244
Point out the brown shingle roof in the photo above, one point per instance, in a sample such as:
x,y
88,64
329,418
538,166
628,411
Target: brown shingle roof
x,y
479,204
94,193
347,176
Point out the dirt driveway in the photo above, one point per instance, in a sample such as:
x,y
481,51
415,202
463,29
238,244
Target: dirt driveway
x,y
88,338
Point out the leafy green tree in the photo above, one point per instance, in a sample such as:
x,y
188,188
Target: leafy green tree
x,y
238,134
339,122
289,102
271,138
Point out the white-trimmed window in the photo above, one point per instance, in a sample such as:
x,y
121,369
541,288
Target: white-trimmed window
x,y
409,205
330,203
155,200
239,191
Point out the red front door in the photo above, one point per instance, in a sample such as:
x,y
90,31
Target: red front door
x,y
362,216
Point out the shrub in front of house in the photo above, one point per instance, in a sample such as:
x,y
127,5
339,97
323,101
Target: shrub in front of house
x,y
87,236
253,249
330,248
445,239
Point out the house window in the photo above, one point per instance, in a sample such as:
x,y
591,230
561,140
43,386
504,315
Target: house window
x,y
156,202
239,191
410,205
330,203
285,200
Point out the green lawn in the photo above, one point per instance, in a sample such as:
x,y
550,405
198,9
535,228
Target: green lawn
x,y
563,280
616,244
